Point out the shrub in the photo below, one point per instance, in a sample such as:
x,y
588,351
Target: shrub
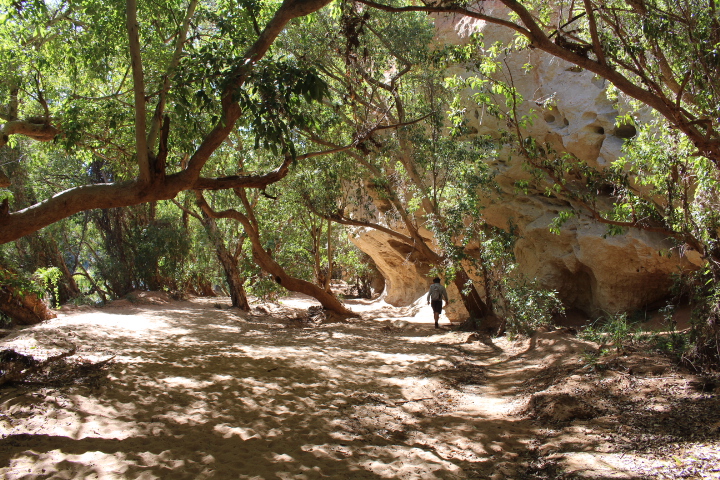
x,y
526,307
613,329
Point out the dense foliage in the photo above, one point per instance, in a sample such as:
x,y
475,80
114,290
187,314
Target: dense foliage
x,y
198,147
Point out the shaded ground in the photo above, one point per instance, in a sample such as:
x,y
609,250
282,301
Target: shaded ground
x,y
195,390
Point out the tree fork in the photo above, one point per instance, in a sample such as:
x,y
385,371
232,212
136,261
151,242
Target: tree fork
x,y
265,261
238,298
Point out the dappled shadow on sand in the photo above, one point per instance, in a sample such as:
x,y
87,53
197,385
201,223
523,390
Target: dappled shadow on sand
x,y
201,392
197,390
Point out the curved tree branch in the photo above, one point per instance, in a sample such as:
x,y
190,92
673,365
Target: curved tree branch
x,y
343,220
531,29
42,132
17,224
264,259
449,9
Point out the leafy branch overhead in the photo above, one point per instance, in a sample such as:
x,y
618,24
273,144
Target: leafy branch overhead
x,y
201,71
98,104
663,54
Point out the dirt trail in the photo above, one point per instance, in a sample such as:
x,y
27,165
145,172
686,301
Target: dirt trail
x,y
196,391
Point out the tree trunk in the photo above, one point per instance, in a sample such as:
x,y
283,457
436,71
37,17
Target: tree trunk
x,y
95,287
265,261
23,309
229,265
317,256
235,282
206,288
328,277
473,303
118,269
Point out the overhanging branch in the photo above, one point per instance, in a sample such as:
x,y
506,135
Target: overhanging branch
x,y
42,132
448,9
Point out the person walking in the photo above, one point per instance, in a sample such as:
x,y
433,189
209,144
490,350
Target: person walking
x,y
435,297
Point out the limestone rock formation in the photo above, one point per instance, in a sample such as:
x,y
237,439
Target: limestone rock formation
x,y
590,270
406,278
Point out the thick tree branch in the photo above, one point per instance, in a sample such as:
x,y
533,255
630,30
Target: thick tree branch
x,y
17,224
144,173
264,259
260,181
14,103
448,9
158,167
340,218
230,109
538,39
241,193
42,132
596,44
160,108
122,194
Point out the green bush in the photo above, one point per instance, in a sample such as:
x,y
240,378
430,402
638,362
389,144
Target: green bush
x,y
613,329
526,306
49,280
162,247
5,321
20,284
267,289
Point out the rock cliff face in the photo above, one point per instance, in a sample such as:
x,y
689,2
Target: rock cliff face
x,y
590,270
405,278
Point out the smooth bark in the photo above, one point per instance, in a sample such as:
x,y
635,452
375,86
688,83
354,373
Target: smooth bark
x,y
141,147
238,297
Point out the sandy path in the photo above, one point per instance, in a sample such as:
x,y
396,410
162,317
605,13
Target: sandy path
x,y
198,392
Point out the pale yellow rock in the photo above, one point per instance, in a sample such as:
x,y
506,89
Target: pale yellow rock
x,y
591,271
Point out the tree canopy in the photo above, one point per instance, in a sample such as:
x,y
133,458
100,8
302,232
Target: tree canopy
x,y
154,101
116,108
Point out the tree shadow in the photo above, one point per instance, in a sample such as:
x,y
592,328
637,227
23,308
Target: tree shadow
x,y
197,392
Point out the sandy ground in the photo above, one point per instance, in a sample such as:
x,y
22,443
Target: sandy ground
x,y
196,390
